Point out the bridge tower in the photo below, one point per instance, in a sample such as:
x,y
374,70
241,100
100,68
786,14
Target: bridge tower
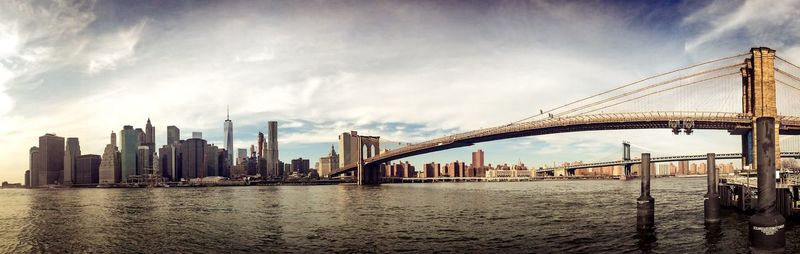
x,y
367,174
626,156
758,100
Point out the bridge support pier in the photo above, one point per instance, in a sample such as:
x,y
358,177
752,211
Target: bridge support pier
x,y
645,204
766,233
368,174
712,200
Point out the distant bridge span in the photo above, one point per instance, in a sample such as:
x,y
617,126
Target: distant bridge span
x,y
719,156
735,123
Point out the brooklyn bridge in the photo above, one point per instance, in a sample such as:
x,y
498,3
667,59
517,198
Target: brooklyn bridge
x,y
726,94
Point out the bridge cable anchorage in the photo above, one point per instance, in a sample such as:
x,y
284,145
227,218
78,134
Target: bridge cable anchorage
x,y
631,84
648,87
663,90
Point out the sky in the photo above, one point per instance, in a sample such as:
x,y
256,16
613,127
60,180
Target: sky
x,y
407,71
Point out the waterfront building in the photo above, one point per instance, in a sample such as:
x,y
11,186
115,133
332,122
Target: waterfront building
x,y
301,166
478,159
193,159
128,150
197,134
173,134
70,159
34,166
51,159
328,164
212,160
455,169
87,169
143,163
228,128
260,145
150,142
27,178
273,161
432,169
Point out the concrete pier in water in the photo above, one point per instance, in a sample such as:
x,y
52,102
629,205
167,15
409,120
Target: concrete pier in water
x,y
645,204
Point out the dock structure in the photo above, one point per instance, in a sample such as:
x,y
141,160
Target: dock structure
x,y
739,192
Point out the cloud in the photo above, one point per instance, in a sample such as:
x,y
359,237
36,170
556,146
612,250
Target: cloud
x,y
762,22
112,49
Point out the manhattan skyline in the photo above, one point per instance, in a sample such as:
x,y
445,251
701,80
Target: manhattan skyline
x,y
85,69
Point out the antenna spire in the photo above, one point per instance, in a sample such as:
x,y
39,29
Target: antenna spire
x,y
229,111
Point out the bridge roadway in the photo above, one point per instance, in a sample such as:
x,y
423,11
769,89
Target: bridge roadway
x,y
735,123
719,156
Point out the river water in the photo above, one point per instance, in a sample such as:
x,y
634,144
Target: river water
x,y
538,217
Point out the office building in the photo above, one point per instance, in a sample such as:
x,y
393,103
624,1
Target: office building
x,y
193,157
27,178
229,138
34,166
87,169
197,134
51,159
173,134
128,148
70,159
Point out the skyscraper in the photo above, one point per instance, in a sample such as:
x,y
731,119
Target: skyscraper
x,y
129,146
51,159
113,139
229,137
272,150
241,154
260,145
27,178
110,166
173,134
34,166
150,140
193,155
212,160
143,162
87,169
168,156
70,160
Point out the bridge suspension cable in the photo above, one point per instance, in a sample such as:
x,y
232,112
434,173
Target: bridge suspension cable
x,y
659,84
664,90
630,84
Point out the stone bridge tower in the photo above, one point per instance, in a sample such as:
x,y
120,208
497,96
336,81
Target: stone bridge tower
x,y
758,100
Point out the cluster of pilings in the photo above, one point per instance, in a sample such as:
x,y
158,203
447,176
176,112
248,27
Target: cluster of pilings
x,y
766,230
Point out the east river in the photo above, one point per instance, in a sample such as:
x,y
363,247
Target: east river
x,y
538,217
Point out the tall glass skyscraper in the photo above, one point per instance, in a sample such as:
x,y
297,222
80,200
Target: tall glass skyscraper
x,y
129,147
229,137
